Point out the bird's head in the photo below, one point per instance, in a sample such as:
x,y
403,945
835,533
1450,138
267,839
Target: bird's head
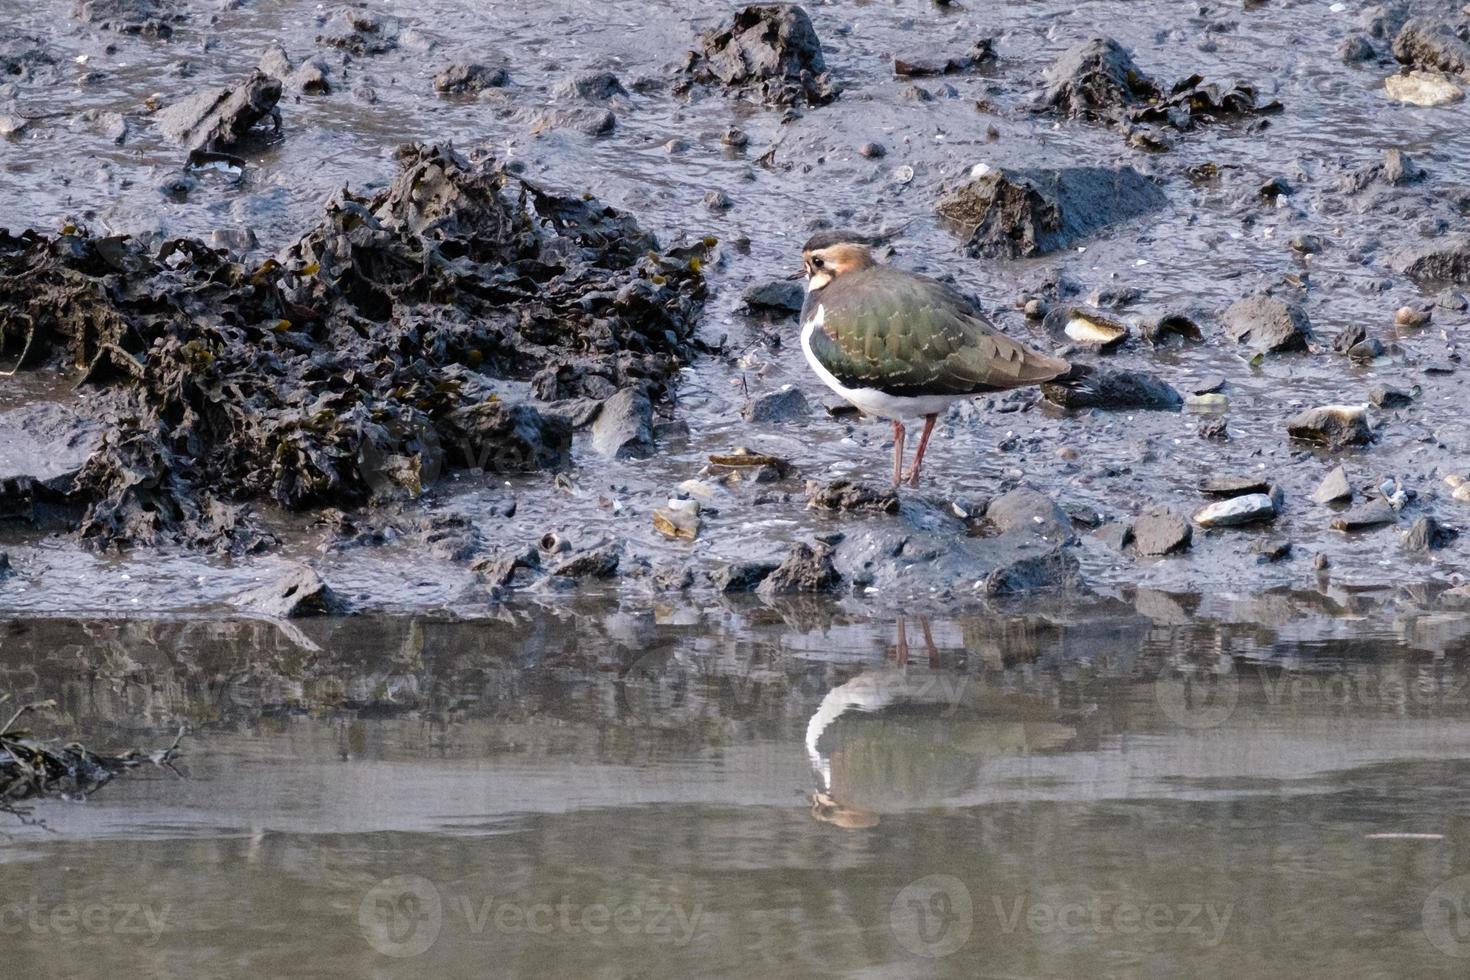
x,y
832,254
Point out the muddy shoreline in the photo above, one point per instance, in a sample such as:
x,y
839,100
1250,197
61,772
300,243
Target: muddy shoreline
x,y
1295,226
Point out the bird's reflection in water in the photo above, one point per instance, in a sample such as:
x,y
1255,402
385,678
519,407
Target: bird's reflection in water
x,y
913,735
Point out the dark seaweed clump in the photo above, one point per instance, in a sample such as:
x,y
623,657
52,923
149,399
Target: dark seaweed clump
x,y
344,367
31,769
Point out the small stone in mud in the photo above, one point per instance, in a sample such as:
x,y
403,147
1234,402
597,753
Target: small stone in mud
x,y
1386,397
500,571
743,576
783,295
1409,316
1271,550
145,18
599,86
1334,426
1274,188
1115,390
624,427
676,145
218,119
1161,532
1427,89
1356,48
1451,300
501,438
873,151
735,138
1349,337
298,592
804,569
1234,486
783,405
1268,324
1427,534
717,200
359,32
850,497
1027,574
1035,309
1030,512
912,67
1115,535
470,78
1334,488
1248,509
1367,351
1374,513
588,120
599,563
678,520
1024,213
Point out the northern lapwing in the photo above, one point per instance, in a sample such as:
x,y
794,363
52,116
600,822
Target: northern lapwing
x,y
899,345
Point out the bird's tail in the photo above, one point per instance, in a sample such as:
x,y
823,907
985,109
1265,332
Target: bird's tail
x,y
1081,376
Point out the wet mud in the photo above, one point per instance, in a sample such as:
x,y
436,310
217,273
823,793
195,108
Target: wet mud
x,y
267,337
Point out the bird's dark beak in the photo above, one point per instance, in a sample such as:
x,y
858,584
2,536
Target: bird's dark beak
x,y
796,275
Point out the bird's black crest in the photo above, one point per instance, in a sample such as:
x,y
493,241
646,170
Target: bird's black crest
x,y
838,236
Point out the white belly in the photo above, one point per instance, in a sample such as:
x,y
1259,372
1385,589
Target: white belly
x,y
871,401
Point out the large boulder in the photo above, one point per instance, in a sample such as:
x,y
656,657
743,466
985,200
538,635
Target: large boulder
x,y
1268,324
218,119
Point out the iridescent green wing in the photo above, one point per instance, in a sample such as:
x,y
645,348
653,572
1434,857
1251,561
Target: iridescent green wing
x,y
907,335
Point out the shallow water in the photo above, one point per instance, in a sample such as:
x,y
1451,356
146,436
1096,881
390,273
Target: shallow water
x,y
732,793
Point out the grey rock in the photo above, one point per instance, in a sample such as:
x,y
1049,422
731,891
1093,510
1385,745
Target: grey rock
x,y
1451,300
783,295
1161,532
43,446
849,497
217,119
588,120
1024,213
500,438
1443,259
1230,485
1334,426
1094,80
873,151
624,427
1028,574
1116,390
300,591
1271,550
1334,488
1356,48
768,51
1374,513
1116,535
1367,351
743,576
1268,324
1349,337
1428,43
1427,534
597,86
1385,396
470,78
598,563
783,405
1251,508
1030,512
500,571
804,569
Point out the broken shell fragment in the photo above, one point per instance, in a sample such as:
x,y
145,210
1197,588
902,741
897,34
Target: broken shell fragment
x,y
1087,326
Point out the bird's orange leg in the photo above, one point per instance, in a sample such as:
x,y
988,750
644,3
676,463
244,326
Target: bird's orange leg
x,y
929,421
897,452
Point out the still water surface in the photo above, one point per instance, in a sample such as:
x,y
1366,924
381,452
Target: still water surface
x,y
751,792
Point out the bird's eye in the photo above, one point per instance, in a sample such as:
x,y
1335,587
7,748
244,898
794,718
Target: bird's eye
x,y
817,263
